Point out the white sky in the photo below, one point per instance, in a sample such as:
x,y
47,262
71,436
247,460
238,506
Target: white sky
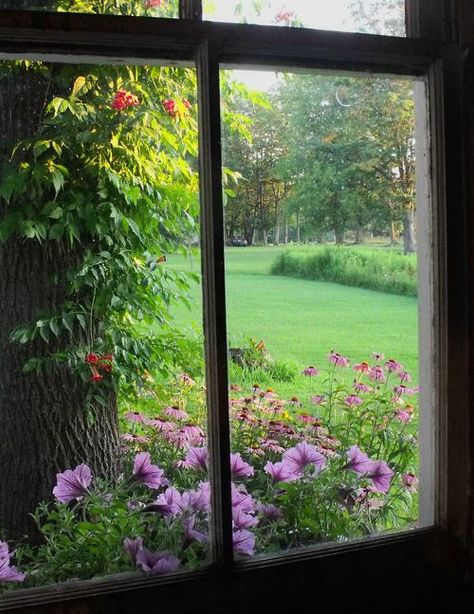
x,y
321,14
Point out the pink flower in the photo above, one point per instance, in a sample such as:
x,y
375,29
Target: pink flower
x,y
377,356
352,400
318,399
404,376
196,458
176,412
337,359
285,17
410,482
153,4
243,542
363,367
310,371
361,387
393,365
135,416
402,389
156,563
376,373
123,99
402,416
281,472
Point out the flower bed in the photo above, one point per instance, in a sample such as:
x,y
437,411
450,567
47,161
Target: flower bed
x,y
336,464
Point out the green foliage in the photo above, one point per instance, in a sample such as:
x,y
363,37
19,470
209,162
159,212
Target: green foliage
x,y
382,270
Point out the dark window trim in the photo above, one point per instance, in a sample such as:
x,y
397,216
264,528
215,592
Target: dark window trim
x,y
80,37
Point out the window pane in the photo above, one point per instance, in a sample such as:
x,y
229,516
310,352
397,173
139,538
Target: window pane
x,y
149,8
102,404
322,285
371,16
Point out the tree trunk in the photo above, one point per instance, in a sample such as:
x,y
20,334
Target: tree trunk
x,y
409,231
393,233
46,425
287,231
298,227
276,239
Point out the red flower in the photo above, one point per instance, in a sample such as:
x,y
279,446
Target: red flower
x,y
152,4
123,99
92,359
96,376
170,107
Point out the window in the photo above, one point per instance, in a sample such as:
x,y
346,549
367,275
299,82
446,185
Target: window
x,y
214,47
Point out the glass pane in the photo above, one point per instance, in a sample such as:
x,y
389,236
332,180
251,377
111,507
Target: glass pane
x,y
102,405
371,16
149,8
322,285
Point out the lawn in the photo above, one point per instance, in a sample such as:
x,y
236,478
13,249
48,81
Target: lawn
x,y
303,320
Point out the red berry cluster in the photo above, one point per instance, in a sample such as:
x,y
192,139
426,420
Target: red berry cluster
x,y
123,99
99,363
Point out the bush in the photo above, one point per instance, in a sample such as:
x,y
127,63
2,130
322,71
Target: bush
x,y
373,269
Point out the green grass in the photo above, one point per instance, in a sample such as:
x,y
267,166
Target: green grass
x,y
303,320
373,269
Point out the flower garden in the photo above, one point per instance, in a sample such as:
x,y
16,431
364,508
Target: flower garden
x,y
337,463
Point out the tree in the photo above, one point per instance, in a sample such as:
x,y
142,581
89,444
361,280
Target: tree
x,y
97,183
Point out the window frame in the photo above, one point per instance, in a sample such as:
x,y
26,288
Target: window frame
x,y
429,556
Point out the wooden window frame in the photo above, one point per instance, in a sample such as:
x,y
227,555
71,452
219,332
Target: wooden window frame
x,y
430,558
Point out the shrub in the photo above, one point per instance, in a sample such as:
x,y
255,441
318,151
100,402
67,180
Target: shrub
x,y
374,269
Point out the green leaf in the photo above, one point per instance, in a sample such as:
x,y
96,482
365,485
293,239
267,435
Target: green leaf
x,y
82,320
56,213
78,85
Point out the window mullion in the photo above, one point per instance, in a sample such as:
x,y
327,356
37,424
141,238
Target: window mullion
x,y
212,246
190,9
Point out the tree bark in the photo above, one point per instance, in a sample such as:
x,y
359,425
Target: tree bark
x,y
46,424
409,231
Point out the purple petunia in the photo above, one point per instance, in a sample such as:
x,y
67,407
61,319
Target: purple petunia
x,y
357,460
146,473
239,468
381,475
269,511
243,520
199,499
156,563
168,503
243,542
190,533
281,472
8,573
302,455
196,458
72,484
132,546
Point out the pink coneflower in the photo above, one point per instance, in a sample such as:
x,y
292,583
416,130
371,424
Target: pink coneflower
x,y
176,412
362,367
131,438
376,373
271,445
310,371
402,416
135,416
410,482
318,399
393,365
186,380
294,401
352,400
338,359
235,388
404,376
402,389
160,424
361,387
377,356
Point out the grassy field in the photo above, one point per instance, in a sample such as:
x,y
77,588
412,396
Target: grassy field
x,y
303,320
